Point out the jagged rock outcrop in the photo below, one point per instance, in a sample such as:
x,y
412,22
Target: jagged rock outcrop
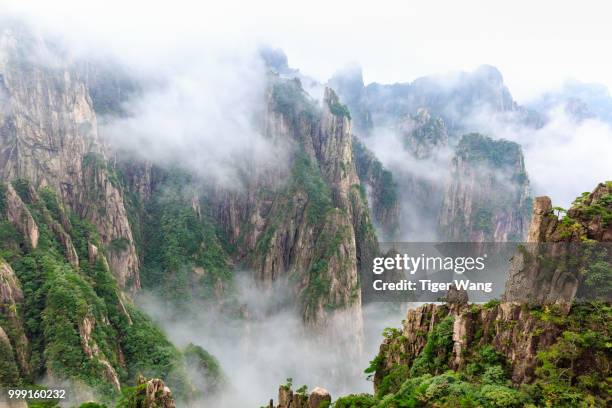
x,y
151,393
456,297
552,266
512,330
47,128
101,202
523,334
487,195
423,134
287,398
19,215
92,350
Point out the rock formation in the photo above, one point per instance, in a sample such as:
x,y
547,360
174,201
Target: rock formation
x,y
153,394
524,332
48,136
552,267
315,228
487,196
287,398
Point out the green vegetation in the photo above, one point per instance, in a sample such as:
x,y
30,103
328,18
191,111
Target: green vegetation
x,y
338,109
307,176
133,397
384,188
289,99
482,220
499,153
64,305
206,365
575,369
437,351
356,401
2,200
573,372
181,247
9,372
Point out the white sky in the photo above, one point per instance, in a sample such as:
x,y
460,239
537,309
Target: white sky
x,y
535,44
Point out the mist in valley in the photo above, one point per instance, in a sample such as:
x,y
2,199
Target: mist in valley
x,y
200,109
260,350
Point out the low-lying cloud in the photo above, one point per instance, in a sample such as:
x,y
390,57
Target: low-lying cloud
x,y
564,157
260,352
205,116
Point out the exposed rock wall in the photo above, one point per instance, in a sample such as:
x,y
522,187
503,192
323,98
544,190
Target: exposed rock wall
x,y
48,128
511,329
287,398
551,267
514,328
487,195
19,215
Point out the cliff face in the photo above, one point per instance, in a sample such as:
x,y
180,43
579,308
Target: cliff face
x,y
15,351
313,227
63,315
487,196
310,223
382,191
48,130
557,263
524,340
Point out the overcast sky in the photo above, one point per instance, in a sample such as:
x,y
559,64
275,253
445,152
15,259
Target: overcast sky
x,y
536,44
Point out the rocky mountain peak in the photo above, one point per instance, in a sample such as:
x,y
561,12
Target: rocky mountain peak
x,y
487,195
540,272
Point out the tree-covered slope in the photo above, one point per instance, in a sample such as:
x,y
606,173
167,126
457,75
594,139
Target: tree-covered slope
x,y
62,312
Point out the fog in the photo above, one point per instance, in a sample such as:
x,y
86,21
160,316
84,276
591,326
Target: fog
x,y
564,157
258,353
202,97
205,117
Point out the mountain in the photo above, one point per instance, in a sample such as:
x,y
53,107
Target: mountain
x,y
86,227
437,181
580,100
487,195
457,98
511,353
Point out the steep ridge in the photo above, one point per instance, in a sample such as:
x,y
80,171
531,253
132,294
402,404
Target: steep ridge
x,y
67,320
435,185
315,228
455,98
487,195
76,215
